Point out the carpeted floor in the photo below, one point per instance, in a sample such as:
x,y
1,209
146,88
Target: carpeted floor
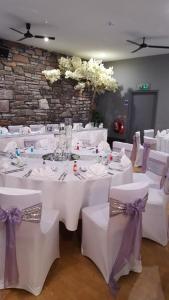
x,y
74,277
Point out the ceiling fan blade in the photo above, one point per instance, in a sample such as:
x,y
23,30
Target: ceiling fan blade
x,y
159,47
16,30
42,37
134,43
139,48
51,38
24,38
39,36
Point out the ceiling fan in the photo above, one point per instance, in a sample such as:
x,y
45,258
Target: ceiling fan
x,y
145,45
29,35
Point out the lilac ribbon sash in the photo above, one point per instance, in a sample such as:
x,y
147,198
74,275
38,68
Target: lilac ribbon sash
x,y
146,152
134,150
131,240
11,218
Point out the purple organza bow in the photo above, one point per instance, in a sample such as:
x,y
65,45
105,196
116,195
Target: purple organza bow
x,y
11,218
134,150
146,152
131,241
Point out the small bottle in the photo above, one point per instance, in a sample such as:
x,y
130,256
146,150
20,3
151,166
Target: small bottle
x,y
17,152
77,148
75,166
99,158
31,148
97,150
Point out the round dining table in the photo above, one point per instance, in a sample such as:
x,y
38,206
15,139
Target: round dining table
x,y
70,193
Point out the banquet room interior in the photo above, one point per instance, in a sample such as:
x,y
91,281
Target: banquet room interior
x,y
84,150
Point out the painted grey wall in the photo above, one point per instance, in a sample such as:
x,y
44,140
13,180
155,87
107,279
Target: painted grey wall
x,y
129,73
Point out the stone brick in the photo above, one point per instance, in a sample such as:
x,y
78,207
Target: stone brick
x,y
23,87
6,94
4,106
21,58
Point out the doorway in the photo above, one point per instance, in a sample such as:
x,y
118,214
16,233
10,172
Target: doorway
x,y
142,112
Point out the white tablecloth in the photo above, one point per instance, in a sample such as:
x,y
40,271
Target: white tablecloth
x,y
70,195
92,136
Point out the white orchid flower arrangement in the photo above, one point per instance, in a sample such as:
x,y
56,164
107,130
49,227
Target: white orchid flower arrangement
x,y
88,74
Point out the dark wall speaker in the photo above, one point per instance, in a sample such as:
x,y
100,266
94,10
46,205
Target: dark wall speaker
x,y
4,52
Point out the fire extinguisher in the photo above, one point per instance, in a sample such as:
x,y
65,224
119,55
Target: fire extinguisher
x,y
118,126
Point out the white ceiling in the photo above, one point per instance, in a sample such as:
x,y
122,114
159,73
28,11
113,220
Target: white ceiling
x,y
81,26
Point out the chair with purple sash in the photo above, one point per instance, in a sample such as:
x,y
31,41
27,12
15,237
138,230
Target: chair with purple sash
x,y
112,232
155,168
29,239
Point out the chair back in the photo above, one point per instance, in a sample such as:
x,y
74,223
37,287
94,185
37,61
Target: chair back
x,y
156,163
118,146
37,127
125,228
15,128
149,133
24,207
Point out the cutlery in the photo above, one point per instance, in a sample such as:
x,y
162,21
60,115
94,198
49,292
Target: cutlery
x,y
77,174
28,173
61,176
13,171
64,175
111,173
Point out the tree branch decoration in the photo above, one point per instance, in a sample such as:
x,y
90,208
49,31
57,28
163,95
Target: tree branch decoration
x,y
87,74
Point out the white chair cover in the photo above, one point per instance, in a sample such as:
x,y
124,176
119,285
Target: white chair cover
x,y
139,154
52,127
155,217
102,235
37,245
37,128
149,133
15,128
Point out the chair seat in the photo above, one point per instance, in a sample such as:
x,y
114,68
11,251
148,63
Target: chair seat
x,y
153,181
99,214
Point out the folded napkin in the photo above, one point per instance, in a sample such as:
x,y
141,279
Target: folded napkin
x,y
97,169
88,126
104,146
122,152
43,172
25,130
10,147
125,161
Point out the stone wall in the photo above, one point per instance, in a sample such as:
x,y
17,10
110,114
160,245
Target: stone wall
x,y
23,88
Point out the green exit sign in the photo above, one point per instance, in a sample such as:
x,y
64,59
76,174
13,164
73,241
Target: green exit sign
x,y
144,86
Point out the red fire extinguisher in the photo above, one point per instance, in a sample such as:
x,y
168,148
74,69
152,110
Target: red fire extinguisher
x,y
118,126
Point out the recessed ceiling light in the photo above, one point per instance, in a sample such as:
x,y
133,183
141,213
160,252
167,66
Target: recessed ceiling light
x,y
110,23
46,39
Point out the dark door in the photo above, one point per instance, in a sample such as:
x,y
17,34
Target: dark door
x,y
142,111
